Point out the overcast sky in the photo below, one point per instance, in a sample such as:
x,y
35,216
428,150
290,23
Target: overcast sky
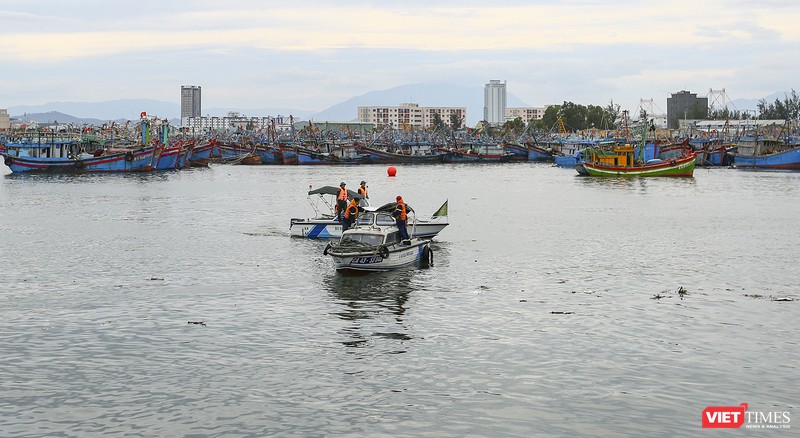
x,y
314,54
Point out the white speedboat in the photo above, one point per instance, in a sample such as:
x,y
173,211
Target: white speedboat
x,y
369,247
325,226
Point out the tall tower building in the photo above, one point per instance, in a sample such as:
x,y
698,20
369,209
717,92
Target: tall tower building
x,y
685,105
190,101
494,102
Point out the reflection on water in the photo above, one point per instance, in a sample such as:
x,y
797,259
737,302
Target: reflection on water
x,y
380,296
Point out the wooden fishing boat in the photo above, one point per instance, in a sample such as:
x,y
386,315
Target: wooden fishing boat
x,y
622,163
269,154
200,154
383,156
45,158
763,152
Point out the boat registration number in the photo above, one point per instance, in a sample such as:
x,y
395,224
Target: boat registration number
x,y
366,260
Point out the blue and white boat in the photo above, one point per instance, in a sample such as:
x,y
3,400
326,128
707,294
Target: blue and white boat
x,y
324,224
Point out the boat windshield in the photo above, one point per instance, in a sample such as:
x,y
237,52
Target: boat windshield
x,y
369,239
365,219
385,219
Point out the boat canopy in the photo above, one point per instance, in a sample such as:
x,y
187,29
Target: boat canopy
x,y
331,190
391,206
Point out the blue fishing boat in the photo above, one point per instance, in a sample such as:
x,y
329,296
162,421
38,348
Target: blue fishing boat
x,y
384,156
52,158
269,154
539,153
519,152
762,152
199,155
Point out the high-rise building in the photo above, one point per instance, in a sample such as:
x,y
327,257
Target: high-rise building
x,y
5,120
190,101
685,105
494,102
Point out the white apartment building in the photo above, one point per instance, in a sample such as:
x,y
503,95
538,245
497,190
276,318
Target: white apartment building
x,y
494,102
231,123
525,113
409,115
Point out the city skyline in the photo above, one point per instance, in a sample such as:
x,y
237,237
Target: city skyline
x,y
250,55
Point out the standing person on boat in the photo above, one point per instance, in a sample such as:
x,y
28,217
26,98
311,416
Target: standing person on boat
x,y
350,214
341,201
400,218
364,194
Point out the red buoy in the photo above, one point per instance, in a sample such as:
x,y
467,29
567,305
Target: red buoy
x,y
391,171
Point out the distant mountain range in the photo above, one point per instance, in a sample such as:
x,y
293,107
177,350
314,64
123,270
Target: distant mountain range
x,y
121,110
97,113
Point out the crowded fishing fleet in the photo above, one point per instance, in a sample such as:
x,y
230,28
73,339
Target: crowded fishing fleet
x,y
153,144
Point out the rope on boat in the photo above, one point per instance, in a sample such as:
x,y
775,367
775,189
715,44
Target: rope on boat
x,y
349,245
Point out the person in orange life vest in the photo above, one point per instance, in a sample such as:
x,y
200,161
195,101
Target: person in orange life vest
x,y
364,194
350,214
341,201
400,218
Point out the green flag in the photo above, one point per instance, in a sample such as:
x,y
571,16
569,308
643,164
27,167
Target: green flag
x,y
442,211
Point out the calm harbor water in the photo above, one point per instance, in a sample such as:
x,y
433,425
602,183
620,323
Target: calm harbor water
x,y
553,307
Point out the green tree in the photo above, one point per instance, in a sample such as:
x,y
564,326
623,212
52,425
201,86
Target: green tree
x,y
513,128
455,122
613,112
786,109
549,119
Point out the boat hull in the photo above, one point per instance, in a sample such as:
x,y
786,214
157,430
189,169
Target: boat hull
x,y
200,155
377,156
332,229
682,167
786,160
539,154
399,256
136,160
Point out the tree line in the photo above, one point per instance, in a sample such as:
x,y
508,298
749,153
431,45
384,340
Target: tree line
x,y
577,117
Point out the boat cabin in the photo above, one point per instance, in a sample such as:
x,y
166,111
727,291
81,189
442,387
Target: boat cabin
x,y
50,149
761,145
622,156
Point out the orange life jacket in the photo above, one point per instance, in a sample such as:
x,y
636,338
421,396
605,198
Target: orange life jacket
x,y
362,191
402,207
351,210
342,194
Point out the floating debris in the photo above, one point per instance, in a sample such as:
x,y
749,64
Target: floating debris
x,y
156,279
658,296
203,323
555,312
770,297
756,296
682,292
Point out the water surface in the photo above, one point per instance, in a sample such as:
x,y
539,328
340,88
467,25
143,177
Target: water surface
x,y
553,307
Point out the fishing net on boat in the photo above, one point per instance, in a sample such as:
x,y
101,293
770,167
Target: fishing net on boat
x,y
349,245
